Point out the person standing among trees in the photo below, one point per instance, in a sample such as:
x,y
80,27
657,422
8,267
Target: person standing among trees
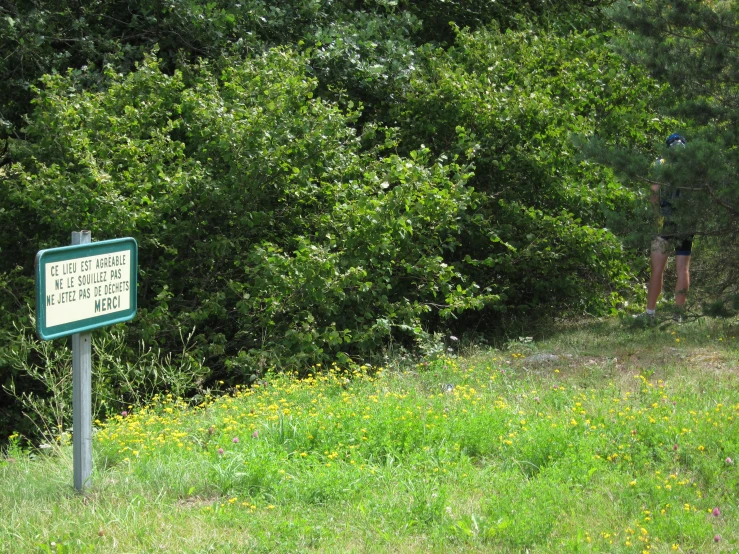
x,y
668,237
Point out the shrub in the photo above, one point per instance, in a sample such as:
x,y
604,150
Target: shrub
x,y
261,221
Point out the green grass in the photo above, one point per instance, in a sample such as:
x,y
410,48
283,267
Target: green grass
x,y
599,438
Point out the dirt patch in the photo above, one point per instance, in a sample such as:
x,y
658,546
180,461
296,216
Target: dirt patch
x,y
194,502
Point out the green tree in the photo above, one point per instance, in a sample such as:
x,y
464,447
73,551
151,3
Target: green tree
x,y
538,237
39,37
261,219
690,46
362,46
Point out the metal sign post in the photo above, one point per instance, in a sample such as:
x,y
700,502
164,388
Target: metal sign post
x,y
82,395
80,288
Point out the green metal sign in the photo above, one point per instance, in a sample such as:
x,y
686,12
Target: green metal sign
x,y
86,286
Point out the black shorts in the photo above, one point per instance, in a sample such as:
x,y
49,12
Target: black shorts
x,y
683,244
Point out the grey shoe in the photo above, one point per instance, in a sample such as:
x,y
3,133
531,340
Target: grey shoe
x,y
644,319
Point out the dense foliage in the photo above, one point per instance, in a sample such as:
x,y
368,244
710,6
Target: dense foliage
x,y
689,46
538,236
317,180
372,40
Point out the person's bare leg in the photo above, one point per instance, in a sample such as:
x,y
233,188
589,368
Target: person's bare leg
x,y
658,258
682,266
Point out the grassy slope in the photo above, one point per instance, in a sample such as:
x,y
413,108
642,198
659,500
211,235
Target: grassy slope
x,y
619,444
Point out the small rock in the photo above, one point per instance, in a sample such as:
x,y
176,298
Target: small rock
x,y
544,357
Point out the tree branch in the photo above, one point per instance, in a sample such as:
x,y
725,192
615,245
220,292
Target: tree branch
x,y
649,181
720,202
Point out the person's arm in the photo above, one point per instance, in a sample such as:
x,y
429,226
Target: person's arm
x,y
654,196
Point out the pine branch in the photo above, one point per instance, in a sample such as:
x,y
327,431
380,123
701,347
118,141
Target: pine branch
x,y
720,202
649,181
670,30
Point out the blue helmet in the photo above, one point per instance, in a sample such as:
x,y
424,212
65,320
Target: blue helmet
x,y
675,138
